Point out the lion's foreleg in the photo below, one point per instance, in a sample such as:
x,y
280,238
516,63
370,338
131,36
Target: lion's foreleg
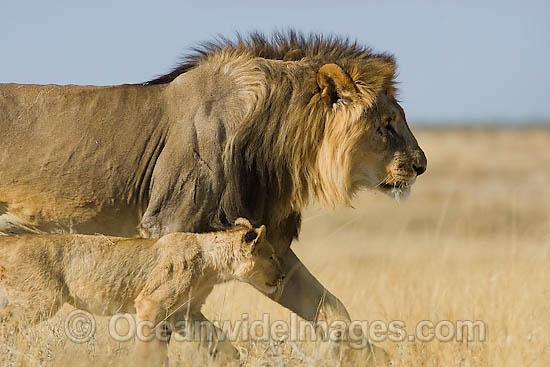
x,y
303,294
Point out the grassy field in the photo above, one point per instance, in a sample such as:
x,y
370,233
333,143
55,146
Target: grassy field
x,y
471,243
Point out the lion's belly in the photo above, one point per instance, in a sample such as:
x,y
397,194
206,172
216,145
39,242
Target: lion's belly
x,y
40,213
10,224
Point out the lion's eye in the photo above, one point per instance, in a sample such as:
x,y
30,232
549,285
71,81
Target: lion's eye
x,y
388,125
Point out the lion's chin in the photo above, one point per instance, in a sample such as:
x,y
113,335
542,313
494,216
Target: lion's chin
x,y
399,191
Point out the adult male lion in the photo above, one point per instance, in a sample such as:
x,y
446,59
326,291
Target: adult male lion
x,y
256,128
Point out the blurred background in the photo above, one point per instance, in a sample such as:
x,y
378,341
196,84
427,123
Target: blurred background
x,y
473,240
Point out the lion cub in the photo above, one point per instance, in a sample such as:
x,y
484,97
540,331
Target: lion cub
x,y
162,279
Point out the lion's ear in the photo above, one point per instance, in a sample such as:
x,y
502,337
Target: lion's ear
x,y
335,84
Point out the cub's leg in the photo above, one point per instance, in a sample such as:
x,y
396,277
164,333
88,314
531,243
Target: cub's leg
x,y
210,338
25,302
151,344
6,317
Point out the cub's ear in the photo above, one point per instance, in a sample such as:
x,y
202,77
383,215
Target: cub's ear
x,y
335,84
261,232
254,237
243,222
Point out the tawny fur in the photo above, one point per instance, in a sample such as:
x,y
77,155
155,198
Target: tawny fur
x,y
162,279
254,128
257,128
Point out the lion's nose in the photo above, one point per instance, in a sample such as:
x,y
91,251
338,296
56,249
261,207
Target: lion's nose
x,y
420,163
419,169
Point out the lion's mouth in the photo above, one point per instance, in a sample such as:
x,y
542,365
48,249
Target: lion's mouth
x,y
386,186
390,186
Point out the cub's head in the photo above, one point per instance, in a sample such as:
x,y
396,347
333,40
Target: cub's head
x,y
366,141
258,264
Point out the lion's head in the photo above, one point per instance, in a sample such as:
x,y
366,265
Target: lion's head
x,y
389,158
366,142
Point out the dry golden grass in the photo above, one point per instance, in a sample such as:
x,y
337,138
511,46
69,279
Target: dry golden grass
x,y
471,243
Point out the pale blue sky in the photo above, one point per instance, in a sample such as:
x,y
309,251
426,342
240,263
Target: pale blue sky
x,y
457,60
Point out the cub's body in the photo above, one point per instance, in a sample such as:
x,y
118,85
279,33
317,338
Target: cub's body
x,y
165,279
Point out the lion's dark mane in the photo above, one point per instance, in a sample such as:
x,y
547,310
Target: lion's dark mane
x,y
288,46
269,159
